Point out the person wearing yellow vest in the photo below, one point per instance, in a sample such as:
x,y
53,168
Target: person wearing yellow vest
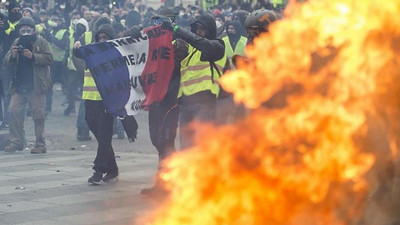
x,y
235,43
83,132
59,46
200,72
72,78
227,110
99,121
8,34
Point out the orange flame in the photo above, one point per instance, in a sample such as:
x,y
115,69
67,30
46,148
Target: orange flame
x,y
326,80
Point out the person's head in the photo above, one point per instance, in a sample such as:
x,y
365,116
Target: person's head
x,y
258,22
26,32
27,12
163,14
204,26
87,15
58,20
81,27
75,16
14,11
240,16
119,29
219,21
3,8
231,29
42,15
227,16
102,20
104,33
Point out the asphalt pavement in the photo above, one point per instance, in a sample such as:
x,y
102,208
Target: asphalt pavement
x,y
52,188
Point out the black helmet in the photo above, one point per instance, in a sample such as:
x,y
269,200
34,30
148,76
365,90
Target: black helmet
x,y
26,21
260,19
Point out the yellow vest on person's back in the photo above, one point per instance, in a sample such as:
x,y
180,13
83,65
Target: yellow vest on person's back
x,y
197,75
58,53
90,91
239,48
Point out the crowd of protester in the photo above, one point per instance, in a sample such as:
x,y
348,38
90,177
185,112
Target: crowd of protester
x,y
39,49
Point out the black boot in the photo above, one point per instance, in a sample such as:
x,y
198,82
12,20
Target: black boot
x,y
68,110
83,134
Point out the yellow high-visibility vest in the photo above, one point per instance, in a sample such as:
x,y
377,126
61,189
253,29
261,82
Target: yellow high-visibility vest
x,y
70,64
239,48
90,91
11,27
58,53
209,4
197,75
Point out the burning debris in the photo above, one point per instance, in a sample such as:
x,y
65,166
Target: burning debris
x,y
326,152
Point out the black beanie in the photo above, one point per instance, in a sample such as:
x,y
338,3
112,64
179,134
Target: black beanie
x,y
12,5
107,29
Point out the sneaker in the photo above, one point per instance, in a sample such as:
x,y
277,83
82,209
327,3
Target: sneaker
x,y
97,178
4,126
38,150
13,148
111,177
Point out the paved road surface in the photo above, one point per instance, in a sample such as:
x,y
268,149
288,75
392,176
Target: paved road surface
x,y
52,188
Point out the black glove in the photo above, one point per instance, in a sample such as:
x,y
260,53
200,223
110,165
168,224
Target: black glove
x,y
167,25
130,126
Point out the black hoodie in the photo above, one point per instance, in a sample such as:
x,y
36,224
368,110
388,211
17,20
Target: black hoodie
x,y
211,48
233,38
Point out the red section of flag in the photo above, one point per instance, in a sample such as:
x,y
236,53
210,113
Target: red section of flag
x,y
159,66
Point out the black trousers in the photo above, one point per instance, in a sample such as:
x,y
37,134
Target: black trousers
x,y
101,125
163,123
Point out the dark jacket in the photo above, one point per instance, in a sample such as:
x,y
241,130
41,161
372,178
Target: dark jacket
x,y
42,59
7,39
233,38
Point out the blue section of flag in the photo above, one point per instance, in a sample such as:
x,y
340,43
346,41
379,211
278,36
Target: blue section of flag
x,y
111,75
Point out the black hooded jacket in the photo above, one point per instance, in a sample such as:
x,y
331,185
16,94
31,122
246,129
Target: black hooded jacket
x,y
233,38
211,48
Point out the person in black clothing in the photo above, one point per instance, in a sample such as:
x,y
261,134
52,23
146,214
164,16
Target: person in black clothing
x,y
101,123
163,116
8,34
200,72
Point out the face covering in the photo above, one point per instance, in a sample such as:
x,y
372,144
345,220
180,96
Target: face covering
x,y
80,29
218,24
27,41
14,16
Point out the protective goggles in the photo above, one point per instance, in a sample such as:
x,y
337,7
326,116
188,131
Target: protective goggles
x,y
159,20
26,31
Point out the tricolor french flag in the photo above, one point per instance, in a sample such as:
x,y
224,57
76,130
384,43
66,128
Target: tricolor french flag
x,y
132,73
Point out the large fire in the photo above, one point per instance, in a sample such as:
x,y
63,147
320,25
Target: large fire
x,y
320,143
